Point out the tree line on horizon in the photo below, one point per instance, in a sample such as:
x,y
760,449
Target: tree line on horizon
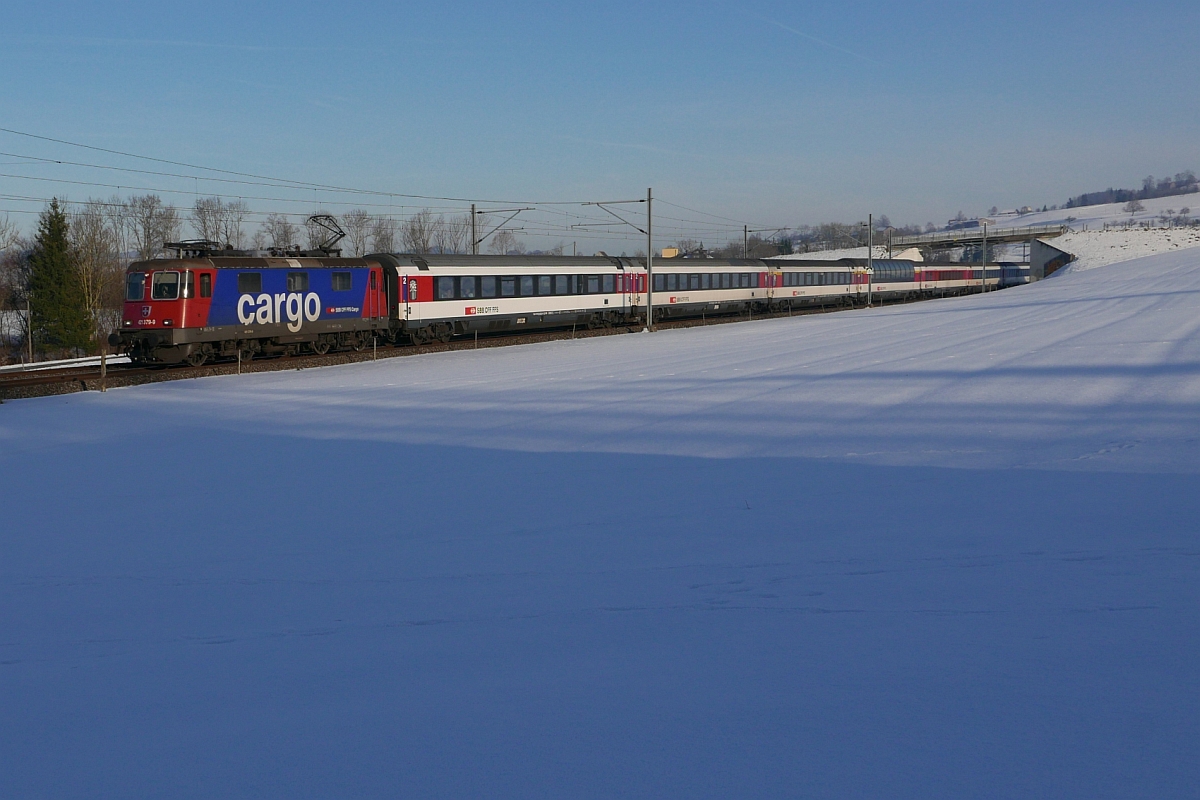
x,y
1183,183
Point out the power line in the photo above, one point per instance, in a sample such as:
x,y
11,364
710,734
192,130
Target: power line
x,y
293,183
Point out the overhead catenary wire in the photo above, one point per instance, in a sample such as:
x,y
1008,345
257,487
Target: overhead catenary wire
x,y
554,218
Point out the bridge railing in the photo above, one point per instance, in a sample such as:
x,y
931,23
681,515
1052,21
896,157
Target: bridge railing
x,y
976,234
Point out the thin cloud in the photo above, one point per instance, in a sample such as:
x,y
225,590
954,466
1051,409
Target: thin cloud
x,y
821,42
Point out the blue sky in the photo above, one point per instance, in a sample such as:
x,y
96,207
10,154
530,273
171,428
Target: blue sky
x,y
770,113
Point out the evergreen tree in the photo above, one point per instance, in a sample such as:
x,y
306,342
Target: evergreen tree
x,y
56,297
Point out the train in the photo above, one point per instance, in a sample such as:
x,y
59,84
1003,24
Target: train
x,y
209,303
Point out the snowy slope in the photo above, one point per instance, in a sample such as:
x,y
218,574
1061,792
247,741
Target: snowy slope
x,y
946,549
1092,217
1098,248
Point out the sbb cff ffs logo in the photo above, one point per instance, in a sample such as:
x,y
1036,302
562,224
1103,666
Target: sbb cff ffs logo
x,y
267,309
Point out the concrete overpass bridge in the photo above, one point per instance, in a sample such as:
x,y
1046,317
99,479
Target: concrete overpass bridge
x,y
1044,258
944,240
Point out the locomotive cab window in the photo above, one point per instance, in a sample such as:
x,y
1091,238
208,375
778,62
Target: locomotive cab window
x,y
135,286
297,282
164,286
250,282
341,281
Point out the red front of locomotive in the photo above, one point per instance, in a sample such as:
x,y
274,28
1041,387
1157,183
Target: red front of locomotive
x,y
163,299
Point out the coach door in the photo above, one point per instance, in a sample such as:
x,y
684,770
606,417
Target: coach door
x,y
409,307
375,303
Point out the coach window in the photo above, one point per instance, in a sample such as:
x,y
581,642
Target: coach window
x,y
672,282
754,280
545,284
445,288
164,286
189,285
593,284
135,285
562,284
487,286
508,287
341,282
706,280
205,284
526,286
297,282
609,284
466,288
660,282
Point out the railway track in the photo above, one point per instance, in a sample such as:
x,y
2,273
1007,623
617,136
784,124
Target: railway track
x,y
67,380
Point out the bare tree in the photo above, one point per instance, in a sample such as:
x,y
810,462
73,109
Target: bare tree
x,y
452,234
206,217
383,234
220,222
357,224
281,231
150,223
233,228
504,242
416,232
8,233
95,241
1133,206
260,240
10,324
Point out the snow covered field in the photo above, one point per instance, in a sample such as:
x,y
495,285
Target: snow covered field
x,y
947,549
